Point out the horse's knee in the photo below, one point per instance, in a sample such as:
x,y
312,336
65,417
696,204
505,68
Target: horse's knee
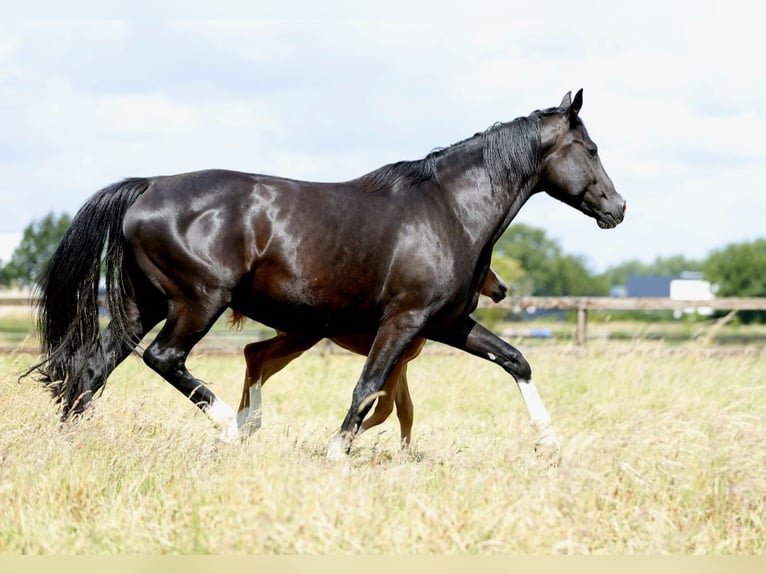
x,y
515,364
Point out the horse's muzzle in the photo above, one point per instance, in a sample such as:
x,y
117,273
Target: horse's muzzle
x,y
612,218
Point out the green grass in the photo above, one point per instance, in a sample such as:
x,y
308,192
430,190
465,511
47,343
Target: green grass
x,y
662,451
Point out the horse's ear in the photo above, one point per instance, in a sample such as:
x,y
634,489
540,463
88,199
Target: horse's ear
x,y
576,105
566,100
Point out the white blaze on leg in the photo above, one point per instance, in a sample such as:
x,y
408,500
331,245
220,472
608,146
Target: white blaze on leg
x,y
537,411
541,419
223,417
249,418
336,449
255,404
242,417
339,446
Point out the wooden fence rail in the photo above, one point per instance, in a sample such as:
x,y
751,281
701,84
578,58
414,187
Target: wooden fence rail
x,y
584,304
580,304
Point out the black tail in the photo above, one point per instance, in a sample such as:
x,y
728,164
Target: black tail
x,y
68,287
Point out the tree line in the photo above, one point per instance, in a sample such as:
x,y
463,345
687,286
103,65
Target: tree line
x,y
530,262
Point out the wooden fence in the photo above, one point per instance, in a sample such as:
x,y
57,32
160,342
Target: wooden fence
x,y
584,304
580,304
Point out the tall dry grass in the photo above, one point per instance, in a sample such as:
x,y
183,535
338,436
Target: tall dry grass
x,y
664,451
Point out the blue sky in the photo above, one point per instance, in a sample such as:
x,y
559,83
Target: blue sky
x,y
674,97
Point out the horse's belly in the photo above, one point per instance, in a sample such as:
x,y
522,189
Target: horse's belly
x,y
292,317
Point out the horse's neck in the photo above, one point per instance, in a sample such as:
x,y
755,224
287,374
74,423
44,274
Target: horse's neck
x,y
484,213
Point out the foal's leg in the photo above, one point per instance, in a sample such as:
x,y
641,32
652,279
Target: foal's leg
x,y
405,410
186,324
385,403
404,406
397,392
264,359
393,337
475,339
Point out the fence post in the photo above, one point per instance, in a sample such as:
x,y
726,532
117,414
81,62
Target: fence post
x,y
582,324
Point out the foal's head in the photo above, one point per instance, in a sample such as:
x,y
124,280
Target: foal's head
x,y
571,169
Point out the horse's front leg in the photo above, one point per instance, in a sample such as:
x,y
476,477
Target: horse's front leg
x,y
469,336
392,339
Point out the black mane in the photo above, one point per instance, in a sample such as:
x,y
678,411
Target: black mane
x,y
404,173
511,154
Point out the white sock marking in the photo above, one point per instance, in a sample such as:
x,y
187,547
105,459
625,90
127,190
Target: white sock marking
x,y
223,417
537,411
541,419
255,404
249,418
242,417
336,449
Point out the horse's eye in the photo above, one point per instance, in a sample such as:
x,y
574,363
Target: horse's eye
x,y
592,151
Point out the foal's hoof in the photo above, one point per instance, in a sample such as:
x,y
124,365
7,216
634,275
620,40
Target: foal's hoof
x,y
248,423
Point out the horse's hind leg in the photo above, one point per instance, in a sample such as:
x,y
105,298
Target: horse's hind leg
x,y
264,359
114,348
186,324
144,310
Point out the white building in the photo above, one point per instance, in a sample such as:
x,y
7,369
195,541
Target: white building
x,y
691,287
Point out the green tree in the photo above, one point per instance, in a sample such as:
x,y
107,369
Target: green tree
x,y
672,265
38,243
5,276
739,270
618,274
510,270
547,269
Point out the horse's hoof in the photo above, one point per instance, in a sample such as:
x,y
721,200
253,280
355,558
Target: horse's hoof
x,y
229,434
548,448
335,451
338,448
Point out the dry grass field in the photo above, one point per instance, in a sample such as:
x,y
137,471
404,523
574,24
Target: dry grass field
x,y
663,451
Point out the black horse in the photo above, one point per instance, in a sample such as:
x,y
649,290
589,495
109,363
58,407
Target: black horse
x,y
401,252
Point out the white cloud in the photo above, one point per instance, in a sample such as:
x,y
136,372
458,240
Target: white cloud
x,y
143,114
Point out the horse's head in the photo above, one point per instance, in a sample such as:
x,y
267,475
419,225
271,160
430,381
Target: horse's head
x,y
571,169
